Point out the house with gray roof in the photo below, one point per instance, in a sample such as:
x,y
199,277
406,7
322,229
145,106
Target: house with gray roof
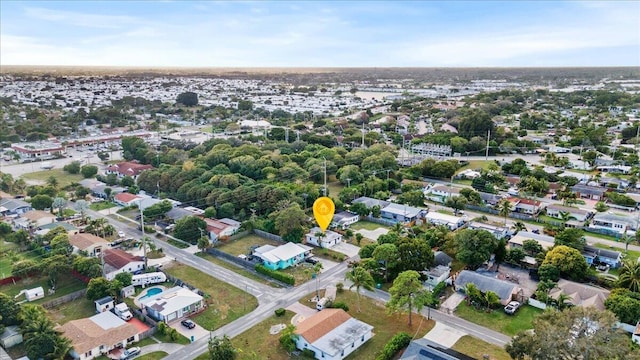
x,y
424,349
593,254
613,222
490,199
172,304
343,219
505,290
402,213
370,202
589,192
441,258
9,207
556,211
498,231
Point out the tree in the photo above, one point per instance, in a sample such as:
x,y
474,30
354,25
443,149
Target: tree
x,y
157,210
41,340
583,333
41,202
221,349
504,209
190,229
361,279
359,208
82,206
474,246
203,243
89,171
472,196
532,247
475,122
98,288
8,310
571,237
415,254
288,339
73,167
53,182
388,255
601,207
187,98
289,219
457,203
59,203
625,304
569,262
407,293
629,276
124,278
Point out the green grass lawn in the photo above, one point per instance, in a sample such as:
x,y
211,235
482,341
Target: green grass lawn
x,y
77,309
226,303
258,340
66,285
242,271
63,177
334,189
6,266
166,339
102,205
498,320
477,348
156,355
477,164
244,244
366,225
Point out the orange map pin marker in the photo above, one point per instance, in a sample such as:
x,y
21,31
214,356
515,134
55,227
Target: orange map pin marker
x,y
323,209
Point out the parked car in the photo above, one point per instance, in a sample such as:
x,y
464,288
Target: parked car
x,y
129,353
311,260
512,307
188,323
121,234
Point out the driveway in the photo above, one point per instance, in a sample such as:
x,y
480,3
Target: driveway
x,y
302,312
373,234
197,332
347,249
444,335
166,347
452,302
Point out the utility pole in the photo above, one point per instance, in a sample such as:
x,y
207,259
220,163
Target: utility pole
x,y
286,135
144,244
348,182
486,156
324,190
362,133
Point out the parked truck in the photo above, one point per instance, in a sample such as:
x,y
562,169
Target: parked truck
x,y
123,312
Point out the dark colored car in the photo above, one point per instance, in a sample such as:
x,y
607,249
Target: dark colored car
x,y
188,324
311,260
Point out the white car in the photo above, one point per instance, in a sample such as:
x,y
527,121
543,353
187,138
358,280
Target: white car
x,y
512,307
130,352
121,234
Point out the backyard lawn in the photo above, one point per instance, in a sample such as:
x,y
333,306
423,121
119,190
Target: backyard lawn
x,y
366,225
477,348
73,310
156,355
66,285
498,320
226,303
63,177
244,244
97,206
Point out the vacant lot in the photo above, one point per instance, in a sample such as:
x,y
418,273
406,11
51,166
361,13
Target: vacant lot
x,y
366,225
498,320
244,244
97,206
240,270
226,303
63,177
66,285
477,348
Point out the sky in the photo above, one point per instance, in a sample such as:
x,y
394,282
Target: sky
x,y
320,33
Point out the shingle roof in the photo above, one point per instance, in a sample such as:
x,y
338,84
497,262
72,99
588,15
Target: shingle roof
x,y
13,204
85,240
90,333
126,197
588,190
318,325
35,215
580,294
441,258
118,258
503,289
611,254
370,202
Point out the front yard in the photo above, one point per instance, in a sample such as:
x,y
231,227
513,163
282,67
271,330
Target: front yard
x,y
226,303
366,225
244,244
477,348
498,320
102,205
237,269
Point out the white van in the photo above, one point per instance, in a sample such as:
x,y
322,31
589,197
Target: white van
x,y
321,304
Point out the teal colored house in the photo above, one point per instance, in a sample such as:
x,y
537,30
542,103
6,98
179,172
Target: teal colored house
x,y
283,256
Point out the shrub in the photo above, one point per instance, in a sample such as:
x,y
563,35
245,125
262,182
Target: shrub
x,y
308,354
339,305
280,312
400,341
339,287
278,275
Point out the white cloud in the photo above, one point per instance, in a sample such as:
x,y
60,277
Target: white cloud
x,y
80,18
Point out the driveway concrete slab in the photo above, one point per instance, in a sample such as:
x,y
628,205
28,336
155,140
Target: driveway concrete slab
x,y
452,302
373,234
197,332
347,249
444,335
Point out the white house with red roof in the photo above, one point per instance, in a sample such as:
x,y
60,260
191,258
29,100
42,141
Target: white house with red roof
x,y
219,228
127,168
118,261
525,206
126,199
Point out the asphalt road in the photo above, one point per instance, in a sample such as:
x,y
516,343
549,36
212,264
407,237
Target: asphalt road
x,y
85,157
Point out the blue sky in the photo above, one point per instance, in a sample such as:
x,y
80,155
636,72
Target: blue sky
x,y
320,33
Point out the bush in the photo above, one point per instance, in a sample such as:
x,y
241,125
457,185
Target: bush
x,y
308,354
280,312
400,341
339,287
339,305
278,275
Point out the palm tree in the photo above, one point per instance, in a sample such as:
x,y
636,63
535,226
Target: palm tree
x,y
519,226
565,216
626,239
82,206
629,275
562,302
361,279
504,209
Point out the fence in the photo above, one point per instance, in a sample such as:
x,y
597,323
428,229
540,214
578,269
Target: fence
x,y
10,280
380,221
267,235
513,215
537,304
64,299
238,235
234,259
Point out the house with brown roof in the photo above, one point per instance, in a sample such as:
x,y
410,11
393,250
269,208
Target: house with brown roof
x,y
38,217
221,228
99,334
580,294
525,206
118,261
127,168
90,243
332,334
126,199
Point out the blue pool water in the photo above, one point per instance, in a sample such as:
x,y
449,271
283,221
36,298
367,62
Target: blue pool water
x,y
151,292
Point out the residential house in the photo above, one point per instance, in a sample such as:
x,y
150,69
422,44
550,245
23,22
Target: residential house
x,y
505,290
38,218
615,223
589,192
126,199
323,239
441,258
611,183
99,191
343,219
547,242
332,334
401,213
490,199
594,254
525,206
580,294
172,304
450,221
89,243
436,275
118,261
423,349
440,193
371,202
222,228
13,207
100,334
498,231
44,229
556,211
615,169
178,213
127,168
468,174
635,337
104,304
283,256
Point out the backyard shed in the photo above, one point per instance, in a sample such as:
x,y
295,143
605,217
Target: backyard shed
x,y
34,294
10,337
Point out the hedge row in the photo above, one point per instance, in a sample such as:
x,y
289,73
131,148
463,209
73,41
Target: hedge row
x,y
278,275
400,341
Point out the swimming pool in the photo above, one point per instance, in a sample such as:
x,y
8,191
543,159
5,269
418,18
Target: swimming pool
x,y
151,292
